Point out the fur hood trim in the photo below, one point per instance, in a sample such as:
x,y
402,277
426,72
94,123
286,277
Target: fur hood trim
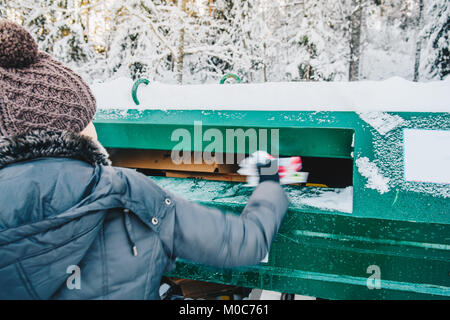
x,y
51,144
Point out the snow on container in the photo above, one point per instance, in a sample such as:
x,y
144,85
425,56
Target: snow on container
x,y
373,220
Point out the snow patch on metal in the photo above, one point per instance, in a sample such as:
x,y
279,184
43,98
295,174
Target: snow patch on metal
x,y
381,121
389,155
335,200
375,180
324,199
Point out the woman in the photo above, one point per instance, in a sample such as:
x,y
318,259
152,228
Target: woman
x,y
65,208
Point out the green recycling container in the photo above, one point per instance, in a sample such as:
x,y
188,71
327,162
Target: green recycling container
x,y
373,224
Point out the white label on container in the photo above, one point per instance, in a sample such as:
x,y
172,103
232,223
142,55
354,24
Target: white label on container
x,y
427,155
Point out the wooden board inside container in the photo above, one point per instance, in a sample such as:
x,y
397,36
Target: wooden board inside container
x,y
234,177
161,161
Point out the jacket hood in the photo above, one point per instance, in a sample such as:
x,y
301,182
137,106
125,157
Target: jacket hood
x,y
56,190
52,204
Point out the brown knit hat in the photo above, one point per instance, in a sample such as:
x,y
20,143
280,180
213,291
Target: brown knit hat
x,y
36,91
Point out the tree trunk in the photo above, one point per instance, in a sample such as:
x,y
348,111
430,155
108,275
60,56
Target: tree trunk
x,y
265,63
418,43
180,57
355,40
308,67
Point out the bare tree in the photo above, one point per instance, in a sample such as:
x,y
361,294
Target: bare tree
x,y
180,56
355,40
419,42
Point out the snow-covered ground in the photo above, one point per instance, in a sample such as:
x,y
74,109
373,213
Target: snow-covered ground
x,y
394,94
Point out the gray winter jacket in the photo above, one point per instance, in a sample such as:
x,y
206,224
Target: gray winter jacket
x,y
66,211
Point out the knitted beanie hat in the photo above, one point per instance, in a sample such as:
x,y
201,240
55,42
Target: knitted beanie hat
x,y
36,91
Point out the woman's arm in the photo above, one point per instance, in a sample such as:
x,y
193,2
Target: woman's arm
x,y
210,236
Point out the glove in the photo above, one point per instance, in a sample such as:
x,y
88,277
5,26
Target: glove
x,y
259,167
266,171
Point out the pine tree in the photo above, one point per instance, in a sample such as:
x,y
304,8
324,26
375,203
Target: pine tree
x,y
57,27
436,63
198,41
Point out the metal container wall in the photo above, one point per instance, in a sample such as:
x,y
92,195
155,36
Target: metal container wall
x,y
393,243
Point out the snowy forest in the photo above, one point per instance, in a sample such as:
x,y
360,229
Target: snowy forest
x,y
198,41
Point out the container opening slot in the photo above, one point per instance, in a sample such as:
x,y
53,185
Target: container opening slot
x,y
323,172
